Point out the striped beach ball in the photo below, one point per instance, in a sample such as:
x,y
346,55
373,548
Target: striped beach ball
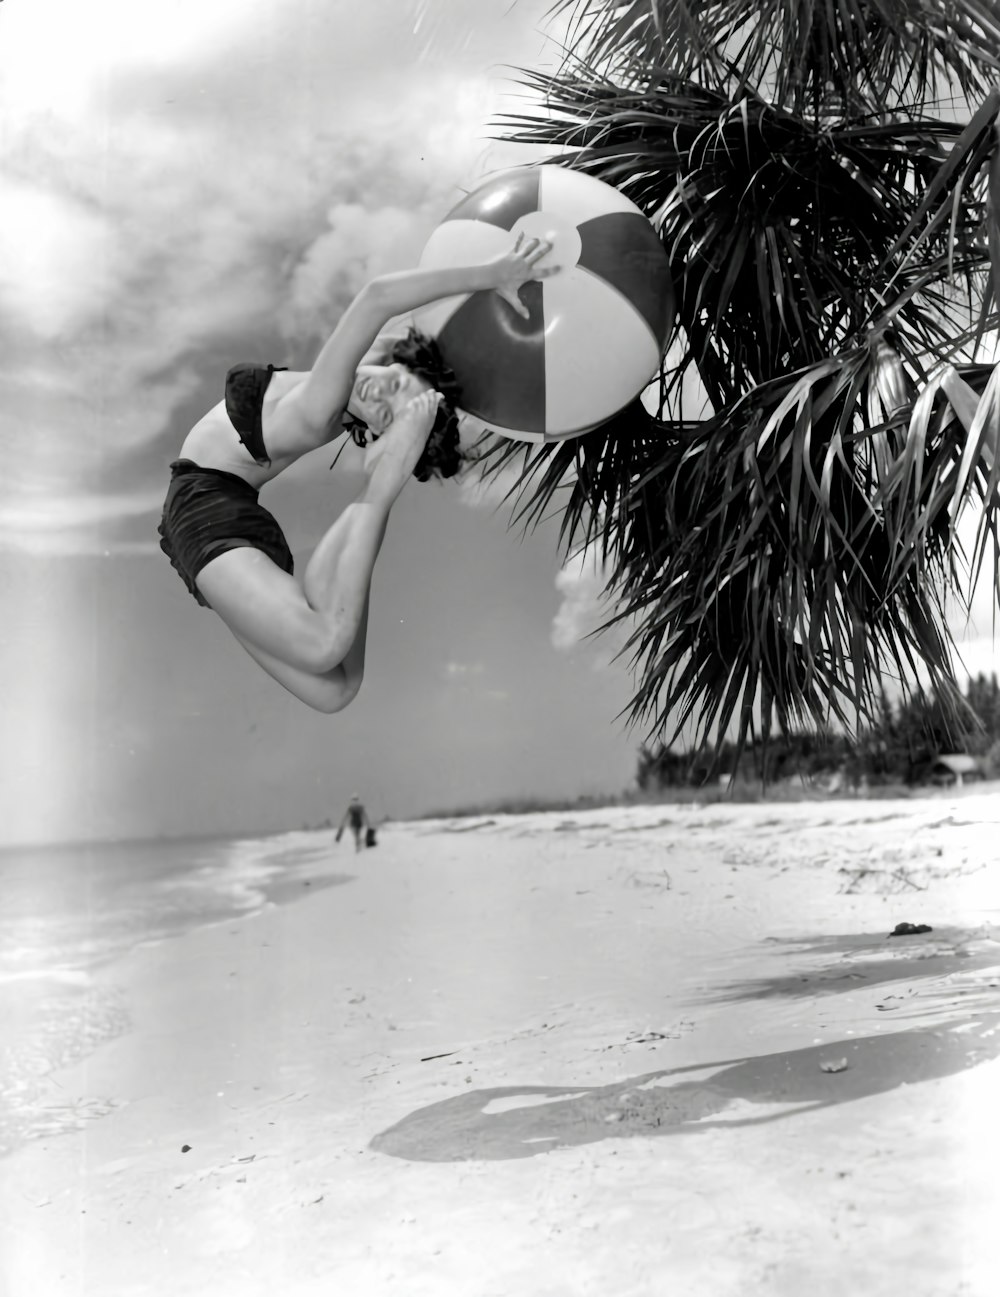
x,y
596,331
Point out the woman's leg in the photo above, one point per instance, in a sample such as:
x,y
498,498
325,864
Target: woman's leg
x,y
312,626
330,692
319,627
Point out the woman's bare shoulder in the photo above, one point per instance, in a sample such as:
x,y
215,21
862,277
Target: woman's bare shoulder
x,y
288,430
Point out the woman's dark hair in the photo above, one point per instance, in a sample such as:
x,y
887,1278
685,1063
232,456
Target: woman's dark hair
x,y
443,455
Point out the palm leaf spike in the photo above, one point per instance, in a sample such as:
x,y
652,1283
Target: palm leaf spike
x,y
964,162
891,392
980,441
964,400
932,482
993,212
978,414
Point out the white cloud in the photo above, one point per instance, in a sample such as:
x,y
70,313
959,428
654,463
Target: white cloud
x,y
978,649
65,74
69,433
462,670
50,524
359,244
155,211
53,257
978,655
581,582
497,490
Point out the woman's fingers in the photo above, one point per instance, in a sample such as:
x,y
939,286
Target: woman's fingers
x,y
425,404
536,250
521,266
513,297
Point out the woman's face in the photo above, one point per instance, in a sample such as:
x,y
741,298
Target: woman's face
x,y
381,391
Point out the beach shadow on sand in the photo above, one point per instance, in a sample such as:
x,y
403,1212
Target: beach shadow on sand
x,y
856,959
524,1121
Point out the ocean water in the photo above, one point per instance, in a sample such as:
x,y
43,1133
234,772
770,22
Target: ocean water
x,y
67,910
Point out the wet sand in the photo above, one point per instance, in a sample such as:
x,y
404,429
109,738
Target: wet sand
x,y
623,1052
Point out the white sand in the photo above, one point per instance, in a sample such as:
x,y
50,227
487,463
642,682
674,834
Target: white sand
x,y
633,1009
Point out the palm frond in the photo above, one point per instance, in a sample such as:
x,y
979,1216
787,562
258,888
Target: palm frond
x,y
784,556
788,549
810,55
786,240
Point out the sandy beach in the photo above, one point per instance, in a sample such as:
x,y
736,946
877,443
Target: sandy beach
x,y
625,1052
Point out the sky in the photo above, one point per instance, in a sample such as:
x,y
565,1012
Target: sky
x,y
184,186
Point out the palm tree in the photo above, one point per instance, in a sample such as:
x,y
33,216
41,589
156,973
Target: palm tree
x,y
829,224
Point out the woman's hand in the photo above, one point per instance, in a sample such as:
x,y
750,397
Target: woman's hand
x,y
392,457
421,410
520,266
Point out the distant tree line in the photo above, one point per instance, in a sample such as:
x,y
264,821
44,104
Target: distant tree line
x,y
898,748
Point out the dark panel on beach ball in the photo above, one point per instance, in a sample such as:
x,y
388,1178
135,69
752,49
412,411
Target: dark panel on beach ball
x,y
625,251
499,359
502,201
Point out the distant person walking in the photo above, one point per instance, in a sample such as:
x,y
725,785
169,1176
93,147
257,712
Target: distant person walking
x,y
357,818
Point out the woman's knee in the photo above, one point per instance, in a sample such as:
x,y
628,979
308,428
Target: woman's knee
x,y
333,694
327,703
322,645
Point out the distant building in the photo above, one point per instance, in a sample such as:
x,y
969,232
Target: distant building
x,y
950,769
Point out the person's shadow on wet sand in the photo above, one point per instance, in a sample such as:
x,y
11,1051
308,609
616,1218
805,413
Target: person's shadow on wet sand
x,y
523,1121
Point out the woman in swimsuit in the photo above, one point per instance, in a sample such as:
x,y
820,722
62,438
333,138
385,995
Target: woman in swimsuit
x,y
231,553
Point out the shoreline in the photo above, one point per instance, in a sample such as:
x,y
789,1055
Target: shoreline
x,y
59,995
747,793
548,1040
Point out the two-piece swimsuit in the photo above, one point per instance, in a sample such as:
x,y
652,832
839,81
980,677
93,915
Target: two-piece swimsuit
x,y
208,511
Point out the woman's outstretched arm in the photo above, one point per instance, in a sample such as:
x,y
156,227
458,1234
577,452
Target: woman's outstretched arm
x,y
327,387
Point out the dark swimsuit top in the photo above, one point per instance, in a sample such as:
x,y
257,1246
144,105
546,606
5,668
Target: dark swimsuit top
x,y
245,388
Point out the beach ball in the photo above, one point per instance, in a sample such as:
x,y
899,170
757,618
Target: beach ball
x,y
596,332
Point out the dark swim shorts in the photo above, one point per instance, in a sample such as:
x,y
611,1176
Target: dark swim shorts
x,y
208,512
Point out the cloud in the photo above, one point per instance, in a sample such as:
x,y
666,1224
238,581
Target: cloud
x,y
494,490
72,432
159,219
975,632
977,655
53,253
462,670
358,245
78,524
582,584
